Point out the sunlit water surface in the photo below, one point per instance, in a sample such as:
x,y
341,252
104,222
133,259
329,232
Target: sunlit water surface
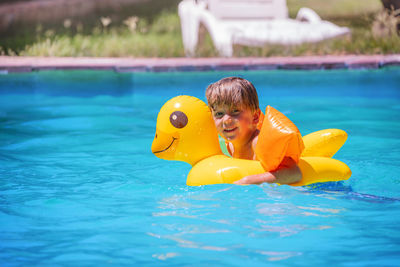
x,y
79,185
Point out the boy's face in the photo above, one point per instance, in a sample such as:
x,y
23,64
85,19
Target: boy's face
x,y
235,124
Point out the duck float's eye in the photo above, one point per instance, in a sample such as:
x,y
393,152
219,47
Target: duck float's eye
x,y
178,119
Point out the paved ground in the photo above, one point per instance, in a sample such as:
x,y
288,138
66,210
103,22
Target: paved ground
x,y
27,64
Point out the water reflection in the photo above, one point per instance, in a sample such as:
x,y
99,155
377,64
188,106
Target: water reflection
x,y
279,255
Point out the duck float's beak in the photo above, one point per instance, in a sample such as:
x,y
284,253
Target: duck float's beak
x,y
164,145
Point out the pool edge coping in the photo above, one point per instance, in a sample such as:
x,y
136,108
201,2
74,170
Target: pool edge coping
x,y
11,64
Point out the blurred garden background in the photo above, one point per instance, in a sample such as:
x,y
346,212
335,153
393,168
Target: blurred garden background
x,y
151,28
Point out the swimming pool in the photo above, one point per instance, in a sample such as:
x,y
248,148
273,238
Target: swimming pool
x,y
79,185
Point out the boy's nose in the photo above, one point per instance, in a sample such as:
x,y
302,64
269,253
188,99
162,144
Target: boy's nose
x,y
227,120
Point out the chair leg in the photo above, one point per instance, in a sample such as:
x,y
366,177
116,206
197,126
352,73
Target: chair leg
x,y
190,26
221,37
189,14
224,45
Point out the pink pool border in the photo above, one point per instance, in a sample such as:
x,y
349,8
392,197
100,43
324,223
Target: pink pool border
x,y
28,64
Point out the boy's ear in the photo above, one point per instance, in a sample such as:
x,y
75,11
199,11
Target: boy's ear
x,y
256,116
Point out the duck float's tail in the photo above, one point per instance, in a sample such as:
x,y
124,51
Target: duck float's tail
x,y
316,163
324,143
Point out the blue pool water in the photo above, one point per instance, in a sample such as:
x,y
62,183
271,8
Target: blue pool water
x,y
80,187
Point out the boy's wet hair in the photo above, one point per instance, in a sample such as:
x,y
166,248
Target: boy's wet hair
x,y
233,92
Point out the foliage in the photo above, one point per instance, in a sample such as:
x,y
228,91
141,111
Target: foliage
x,y
385,24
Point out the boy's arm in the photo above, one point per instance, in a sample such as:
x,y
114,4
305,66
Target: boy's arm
x,y
287,173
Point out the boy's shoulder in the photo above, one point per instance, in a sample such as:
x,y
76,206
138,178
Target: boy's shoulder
x,y
254,141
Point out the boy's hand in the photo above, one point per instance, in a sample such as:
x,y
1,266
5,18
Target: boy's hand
x,y
257,179
288,173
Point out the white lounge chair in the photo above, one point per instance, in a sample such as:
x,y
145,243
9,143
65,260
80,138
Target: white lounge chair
x,y
251,23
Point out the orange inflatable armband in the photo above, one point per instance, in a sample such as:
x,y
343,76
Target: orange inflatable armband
x,y
278,138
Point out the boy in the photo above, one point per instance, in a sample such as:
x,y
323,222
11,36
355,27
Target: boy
x,y
235,108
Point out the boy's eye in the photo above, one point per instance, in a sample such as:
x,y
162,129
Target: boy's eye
x,y
218,114
236,111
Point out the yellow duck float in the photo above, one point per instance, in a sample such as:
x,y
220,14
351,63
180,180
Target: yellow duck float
x,y
186,132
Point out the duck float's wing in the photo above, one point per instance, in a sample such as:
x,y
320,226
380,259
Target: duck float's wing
x,y
324,143
221,169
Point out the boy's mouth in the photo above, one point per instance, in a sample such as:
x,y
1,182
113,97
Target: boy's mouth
x,y
230,130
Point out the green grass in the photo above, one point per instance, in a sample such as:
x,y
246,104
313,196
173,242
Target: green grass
x,y
335,9
162,38
108,45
